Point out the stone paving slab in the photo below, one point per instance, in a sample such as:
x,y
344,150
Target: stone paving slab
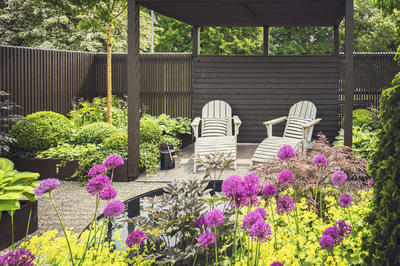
x,y
184,166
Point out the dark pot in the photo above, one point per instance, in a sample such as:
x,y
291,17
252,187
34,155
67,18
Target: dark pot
x,y
21,217
186,139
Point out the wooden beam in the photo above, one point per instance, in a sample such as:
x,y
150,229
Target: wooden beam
x,y
133,89
196,40
349,75
336,40
266,40
252,13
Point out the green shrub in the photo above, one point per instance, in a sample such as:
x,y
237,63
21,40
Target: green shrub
x,y
117,142
177,143
149,154
95,133
383,242
363,117
45,131
171,126
150,132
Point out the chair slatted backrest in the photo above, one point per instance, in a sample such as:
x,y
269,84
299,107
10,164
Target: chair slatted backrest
x,y
218,109
300,113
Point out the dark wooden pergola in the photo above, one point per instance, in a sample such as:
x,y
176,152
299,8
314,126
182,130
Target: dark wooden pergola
x,y
237,13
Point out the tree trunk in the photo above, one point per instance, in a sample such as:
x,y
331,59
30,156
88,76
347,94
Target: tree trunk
x,y
109,89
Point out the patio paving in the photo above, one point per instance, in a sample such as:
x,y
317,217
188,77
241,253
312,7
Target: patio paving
x,y
184,166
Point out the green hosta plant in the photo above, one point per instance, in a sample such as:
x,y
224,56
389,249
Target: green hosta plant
x,y
364,140
13,185
170,126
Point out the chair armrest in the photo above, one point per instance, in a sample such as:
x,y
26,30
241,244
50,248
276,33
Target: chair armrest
x,y
237,122
269,124
195,126
307,125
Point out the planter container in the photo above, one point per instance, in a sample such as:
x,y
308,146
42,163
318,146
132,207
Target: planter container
x,y
21,217
186,139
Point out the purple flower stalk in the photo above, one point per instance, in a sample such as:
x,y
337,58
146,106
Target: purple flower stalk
x,y
98,184
214,218
113,161
251,185
199,222
232,186
320,161
114,208
276,263
371,182
344,229
269,190
97,170
338,178
137,237
20,257
240,201
262,211
326,242
108,194
254,201
260,231
285,177
284,205
46,186
286,152
345,201
207,239
334,233
249,219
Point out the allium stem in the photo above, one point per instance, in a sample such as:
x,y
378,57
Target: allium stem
x,y
295,210
297,246
112,174
234,235
316,190
62,226
216,250
12,230
258,253
351,219
206,256
273,221
195,258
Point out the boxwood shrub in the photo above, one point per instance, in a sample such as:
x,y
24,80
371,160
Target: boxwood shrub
x,y
117,142
95,133
363,117
150,132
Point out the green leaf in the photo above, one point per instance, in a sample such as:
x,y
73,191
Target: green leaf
x,y
10,195
6,205
30,196
6,165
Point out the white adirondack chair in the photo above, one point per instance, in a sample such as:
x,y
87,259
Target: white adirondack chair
x,y
298,131
216,130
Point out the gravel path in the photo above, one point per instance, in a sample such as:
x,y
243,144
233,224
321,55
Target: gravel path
x,y
76,206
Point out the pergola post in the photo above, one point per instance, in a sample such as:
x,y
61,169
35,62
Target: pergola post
x,y
133,89
196,40
349,75
336,40
266,40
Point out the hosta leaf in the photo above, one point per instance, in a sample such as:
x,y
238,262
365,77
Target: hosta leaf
x,y
10,195
6,165
6,205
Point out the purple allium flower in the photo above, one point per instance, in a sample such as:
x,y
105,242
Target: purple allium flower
x,y
334,233
97,170
207,239
284,205
371,182
286,152
199,222
114,208
345,201
232,185
20,257
285,177
326,242
108,194
254,201
276,263
320,161
113,161
251,184
269,190
249,219
338,178
262,211
47,185
344,229
240,200
137,237
214,218
260,231
98,184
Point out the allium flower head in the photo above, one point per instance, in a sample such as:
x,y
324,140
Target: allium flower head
x,y
47,185
251,184
214,218
254,201
269,190
98,184
345,201
284,205
137,237
371,182
97,170
326,242
108,194
320,161
114,208
276,263
260,231
113,161
344,229
285,177
240,201
286,152
249,219
334,233
338,178
20,257
262,211
199,222
207,239
232,185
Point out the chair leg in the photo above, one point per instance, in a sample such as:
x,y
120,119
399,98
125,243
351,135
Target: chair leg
x,y
194,168
251,164
234,167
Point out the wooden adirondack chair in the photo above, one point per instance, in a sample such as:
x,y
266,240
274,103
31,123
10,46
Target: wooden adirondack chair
x,y
298,131
216,130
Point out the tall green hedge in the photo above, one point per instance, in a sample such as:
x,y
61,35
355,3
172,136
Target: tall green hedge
x,y
383,245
